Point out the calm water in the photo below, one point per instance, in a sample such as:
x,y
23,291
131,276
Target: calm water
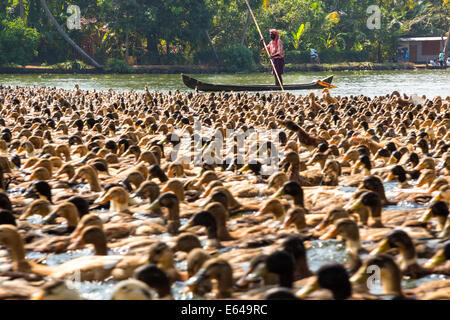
x,y
371,83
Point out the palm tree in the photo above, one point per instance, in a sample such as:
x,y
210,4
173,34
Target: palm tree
x,y
22,10
66,37
249,17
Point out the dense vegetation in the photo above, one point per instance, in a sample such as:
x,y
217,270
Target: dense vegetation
x,y
176,31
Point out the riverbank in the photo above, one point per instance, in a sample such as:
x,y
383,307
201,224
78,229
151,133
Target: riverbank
x,y
196,69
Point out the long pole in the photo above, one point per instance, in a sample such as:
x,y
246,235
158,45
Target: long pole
x,y
66,37
265,47
446,43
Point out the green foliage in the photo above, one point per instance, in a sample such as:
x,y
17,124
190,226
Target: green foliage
x,y
118,66
173,31
298,35
332,55
297,57
74,65
18,43
234,59
237,59
173,59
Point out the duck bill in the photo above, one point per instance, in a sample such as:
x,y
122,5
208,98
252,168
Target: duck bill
x,y
390,177
427,216
126,154
382,247
193,282
279,193
244,168
25,215
432,189
206,193
332,233
307,290
360,276
446,232
134,195
357,165
205,202
76,233
165,189
38,296
30,194
79,243
155,205
259,272
346,158
392,160
322,225
51,218
242,282
437,198
171,173
436,260
260,212
132,201
74,179
421,182
164,140
287,222
103,199
188,225
355,205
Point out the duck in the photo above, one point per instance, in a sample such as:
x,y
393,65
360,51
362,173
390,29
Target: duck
x,y
348,230
363,161
442,256
118,198
89,268
90,174
398,238
170,201
439,210
375,184
390,273
132,289
331,277
57,290
293,189
161,255
296,216
370,200
156,279
304,138
219,270
400,173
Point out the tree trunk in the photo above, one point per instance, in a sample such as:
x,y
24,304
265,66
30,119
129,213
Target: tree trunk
x,y
379,38
66,37
446,44
212,46
246,28
22,10
127,53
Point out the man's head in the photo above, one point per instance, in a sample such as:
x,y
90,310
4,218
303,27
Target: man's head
x,y
273,34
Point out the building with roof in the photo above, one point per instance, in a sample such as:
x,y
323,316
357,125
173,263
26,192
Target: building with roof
x,y
420,50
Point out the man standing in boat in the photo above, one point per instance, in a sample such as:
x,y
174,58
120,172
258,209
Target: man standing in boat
x,y
276,51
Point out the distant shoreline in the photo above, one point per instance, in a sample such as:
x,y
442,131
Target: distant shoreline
x,y
194,69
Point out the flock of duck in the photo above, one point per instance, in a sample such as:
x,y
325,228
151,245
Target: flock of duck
x,y
98,178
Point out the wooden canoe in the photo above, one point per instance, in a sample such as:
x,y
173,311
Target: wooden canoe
x,y
436,67
202,86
